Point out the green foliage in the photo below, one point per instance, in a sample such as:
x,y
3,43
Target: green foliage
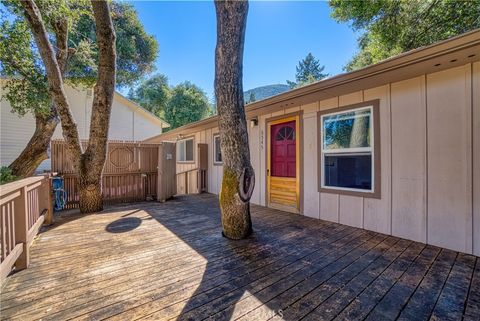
x,y
395,26
153,94
136,50
178,105
6,175
19,58
30,89
308,70
187,104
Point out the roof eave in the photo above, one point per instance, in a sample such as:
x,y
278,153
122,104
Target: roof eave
x,y
443,48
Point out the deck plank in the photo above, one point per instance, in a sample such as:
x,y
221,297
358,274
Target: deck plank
x,y
452,300
168,261
472,310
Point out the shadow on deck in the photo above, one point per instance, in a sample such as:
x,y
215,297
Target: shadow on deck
x,y
169,261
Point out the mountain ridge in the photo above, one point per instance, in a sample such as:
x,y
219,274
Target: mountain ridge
x,y
266,91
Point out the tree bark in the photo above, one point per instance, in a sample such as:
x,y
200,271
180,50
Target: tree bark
x,y
238,175
89,165
93,160
54,78
36,150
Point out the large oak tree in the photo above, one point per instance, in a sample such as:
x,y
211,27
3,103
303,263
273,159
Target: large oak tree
x,y
89,163
238,175
71,28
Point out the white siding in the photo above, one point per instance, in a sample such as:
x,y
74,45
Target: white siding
x,y
449,134
409,159
476,157
15,132
126,123
144,127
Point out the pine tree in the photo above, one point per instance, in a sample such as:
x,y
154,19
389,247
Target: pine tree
x,y
308,70
252,98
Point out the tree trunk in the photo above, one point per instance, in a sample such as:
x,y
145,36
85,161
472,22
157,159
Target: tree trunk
x,y
54,78
93,160
238,175
36,150
89,165
90,189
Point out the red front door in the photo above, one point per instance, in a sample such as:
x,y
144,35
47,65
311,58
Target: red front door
x,y
284,150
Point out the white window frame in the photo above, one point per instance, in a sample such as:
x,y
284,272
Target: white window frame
x,y
349,151
215,162
185,150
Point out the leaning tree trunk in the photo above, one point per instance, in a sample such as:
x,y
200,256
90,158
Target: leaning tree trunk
x,y
89,165
238,176
36,150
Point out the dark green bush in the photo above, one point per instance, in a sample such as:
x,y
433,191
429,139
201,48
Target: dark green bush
x,y
6,175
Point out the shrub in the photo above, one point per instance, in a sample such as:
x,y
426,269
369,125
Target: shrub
x,y
6,175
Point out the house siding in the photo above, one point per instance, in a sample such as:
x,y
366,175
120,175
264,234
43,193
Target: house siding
x,y
476,156
430,156
125,124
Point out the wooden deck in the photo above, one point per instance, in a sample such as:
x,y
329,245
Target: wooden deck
x,y
169,261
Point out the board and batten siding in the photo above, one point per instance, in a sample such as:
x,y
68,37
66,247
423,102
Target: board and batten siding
x,y
126,123
430,160
214,171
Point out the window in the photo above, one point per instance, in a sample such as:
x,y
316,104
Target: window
x,y
217,153
185,150
348,155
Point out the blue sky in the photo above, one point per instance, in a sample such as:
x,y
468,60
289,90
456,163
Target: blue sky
x,y
279,34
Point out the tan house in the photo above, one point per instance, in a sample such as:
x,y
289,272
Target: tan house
x,y
392,148
128,122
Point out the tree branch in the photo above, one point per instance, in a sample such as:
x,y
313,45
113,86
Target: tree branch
x,y
105,86
54,77
60,28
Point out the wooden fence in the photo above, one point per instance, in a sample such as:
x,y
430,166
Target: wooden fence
x,y
25,205
129,175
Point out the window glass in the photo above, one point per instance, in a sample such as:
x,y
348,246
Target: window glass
x,y
217,150
347,130
185,150
285,133
189,150
347,153
181,151
349,171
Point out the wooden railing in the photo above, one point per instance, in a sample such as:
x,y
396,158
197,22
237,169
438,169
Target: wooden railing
x,y
192,181
24,206
116,188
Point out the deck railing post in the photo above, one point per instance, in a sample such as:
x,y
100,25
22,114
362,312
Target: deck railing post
x,y
21,227
46,200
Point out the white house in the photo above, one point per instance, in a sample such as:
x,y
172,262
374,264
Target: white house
x,y
416,172
128,122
